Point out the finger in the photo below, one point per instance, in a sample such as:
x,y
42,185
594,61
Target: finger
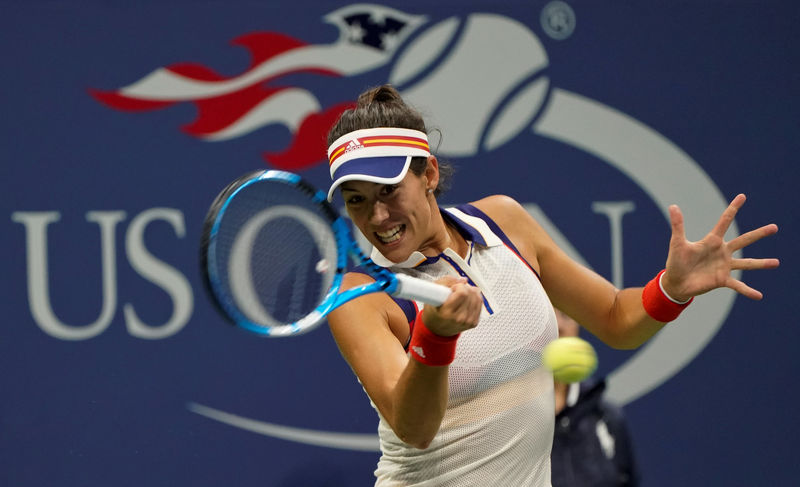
x,y
746,239
728,215
676,221
743,289
453,303
472,304
476,306
460,300
754,264
451,281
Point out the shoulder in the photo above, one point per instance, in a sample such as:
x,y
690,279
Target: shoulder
x,y
371,311
355,278
520,226
526,236
510,216
502,209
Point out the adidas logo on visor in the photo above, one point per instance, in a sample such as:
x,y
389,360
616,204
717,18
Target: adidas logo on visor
x,y
353,145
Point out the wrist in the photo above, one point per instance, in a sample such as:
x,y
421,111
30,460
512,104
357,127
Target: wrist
x,y
667,294
658,304
429,348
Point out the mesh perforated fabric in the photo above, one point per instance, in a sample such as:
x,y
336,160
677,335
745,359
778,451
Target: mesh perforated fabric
x,y
498,427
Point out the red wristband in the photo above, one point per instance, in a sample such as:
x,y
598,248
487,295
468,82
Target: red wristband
x,y
431,349
658,305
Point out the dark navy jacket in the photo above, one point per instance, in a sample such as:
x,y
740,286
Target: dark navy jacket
x,y
591,445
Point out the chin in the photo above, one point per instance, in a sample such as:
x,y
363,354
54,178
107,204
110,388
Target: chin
x,y
395,251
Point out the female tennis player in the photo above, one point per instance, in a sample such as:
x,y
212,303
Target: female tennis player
x,y
460,391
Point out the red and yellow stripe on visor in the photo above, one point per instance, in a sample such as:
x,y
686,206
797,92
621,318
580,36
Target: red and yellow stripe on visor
x,y
378,142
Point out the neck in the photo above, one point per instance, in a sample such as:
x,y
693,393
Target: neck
x,y
445,236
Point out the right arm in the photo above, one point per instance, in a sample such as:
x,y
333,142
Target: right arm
x,y
370,332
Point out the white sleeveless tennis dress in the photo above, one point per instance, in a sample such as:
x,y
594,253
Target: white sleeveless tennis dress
x,y
498,427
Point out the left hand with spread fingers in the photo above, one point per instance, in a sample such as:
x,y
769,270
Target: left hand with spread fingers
x,y
694,268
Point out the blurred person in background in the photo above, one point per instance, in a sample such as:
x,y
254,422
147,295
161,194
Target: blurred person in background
x,y
591,443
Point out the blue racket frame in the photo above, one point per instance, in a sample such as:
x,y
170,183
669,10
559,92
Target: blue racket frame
x,y
346,247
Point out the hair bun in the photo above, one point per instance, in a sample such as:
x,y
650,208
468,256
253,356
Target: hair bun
x,y
380,94
382,106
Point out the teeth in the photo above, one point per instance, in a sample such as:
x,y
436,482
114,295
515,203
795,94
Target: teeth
x,y
390,235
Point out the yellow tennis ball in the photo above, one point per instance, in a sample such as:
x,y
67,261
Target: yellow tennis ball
x,y
570,359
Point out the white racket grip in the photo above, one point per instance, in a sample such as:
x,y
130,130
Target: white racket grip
x,y
428,292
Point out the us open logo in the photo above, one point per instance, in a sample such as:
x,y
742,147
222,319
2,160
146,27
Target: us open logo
x,y
427,60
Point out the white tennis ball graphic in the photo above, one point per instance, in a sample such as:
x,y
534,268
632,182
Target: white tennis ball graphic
x,y
477,79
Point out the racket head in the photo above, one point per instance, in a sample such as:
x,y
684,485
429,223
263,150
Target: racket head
x,y
273,253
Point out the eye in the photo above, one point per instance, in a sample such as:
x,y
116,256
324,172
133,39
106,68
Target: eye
x,y
354,200
388,189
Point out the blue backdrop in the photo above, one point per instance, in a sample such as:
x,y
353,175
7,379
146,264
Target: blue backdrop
x,y
120,124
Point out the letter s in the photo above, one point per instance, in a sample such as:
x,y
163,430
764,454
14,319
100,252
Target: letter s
x,y
159,273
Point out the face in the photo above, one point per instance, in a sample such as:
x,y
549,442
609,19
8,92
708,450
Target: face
x,y
395,218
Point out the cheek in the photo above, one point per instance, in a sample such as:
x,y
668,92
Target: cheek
x,y
357,219
419,214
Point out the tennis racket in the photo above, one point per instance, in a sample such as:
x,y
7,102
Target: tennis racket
x,y
274,251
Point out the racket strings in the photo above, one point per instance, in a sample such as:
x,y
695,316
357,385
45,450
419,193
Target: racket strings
x,y
275,254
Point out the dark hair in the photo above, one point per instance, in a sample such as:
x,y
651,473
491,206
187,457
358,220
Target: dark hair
x,y
384,107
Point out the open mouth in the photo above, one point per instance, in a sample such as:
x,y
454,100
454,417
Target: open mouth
x,y
391,235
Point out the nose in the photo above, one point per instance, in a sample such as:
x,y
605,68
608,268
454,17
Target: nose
x,y
379,213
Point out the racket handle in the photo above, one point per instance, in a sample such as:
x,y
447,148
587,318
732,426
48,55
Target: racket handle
x,y
428,292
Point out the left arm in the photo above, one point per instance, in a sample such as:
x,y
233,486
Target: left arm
x,y
617,316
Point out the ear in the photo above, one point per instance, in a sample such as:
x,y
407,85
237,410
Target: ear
x,y
432,173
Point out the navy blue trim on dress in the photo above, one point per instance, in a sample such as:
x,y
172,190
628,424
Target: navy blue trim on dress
x,y
463,274
473,211
466,231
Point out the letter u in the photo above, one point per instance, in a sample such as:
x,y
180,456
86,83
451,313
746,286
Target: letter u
x,y
38,282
